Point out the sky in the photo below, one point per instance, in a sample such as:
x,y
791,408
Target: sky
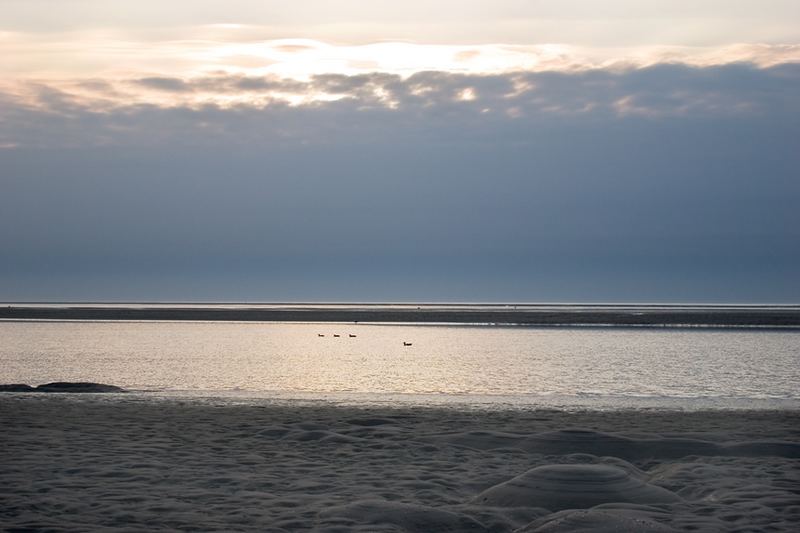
x,y
506,151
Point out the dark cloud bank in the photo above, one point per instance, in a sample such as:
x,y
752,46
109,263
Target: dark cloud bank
x,y
668,183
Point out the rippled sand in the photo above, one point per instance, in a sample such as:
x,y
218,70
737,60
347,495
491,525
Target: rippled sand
x,y
121,463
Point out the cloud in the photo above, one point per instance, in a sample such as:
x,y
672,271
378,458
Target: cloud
x,y
269,108
176,85
657,181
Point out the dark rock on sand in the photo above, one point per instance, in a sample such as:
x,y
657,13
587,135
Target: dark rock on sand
x,y
16,387
79,386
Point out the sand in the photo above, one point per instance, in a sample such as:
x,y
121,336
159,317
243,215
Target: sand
x,y
132,463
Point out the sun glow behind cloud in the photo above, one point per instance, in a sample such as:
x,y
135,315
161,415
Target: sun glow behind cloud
x,y
108,66
104,53
71,70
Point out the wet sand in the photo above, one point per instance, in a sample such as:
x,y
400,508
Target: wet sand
x,y
124,463
549,316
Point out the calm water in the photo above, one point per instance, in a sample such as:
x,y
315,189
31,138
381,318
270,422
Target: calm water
x,y
526,366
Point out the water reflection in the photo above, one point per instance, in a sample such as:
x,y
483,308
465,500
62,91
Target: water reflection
x,y
366,359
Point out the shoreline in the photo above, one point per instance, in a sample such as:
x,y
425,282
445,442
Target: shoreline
x,y
120,463
779,318
519,403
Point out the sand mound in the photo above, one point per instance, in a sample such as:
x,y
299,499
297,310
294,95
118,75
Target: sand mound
x,y
595,521
606,444
370,422
599,443
777,448
482,440
580,440
319,435
574,486
378,515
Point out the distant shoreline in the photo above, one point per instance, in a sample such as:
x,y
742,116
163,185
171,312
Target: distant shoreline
x,y
642,316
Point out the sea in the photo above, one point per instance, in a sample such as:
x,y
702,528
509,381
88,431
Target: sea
x,y
472,365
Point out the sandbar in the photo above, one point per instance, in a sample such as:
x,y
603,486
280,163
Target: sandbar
x,y
642,316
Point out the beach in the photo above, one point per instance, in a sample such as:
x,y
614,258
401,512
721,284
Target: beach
x,y
120,462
